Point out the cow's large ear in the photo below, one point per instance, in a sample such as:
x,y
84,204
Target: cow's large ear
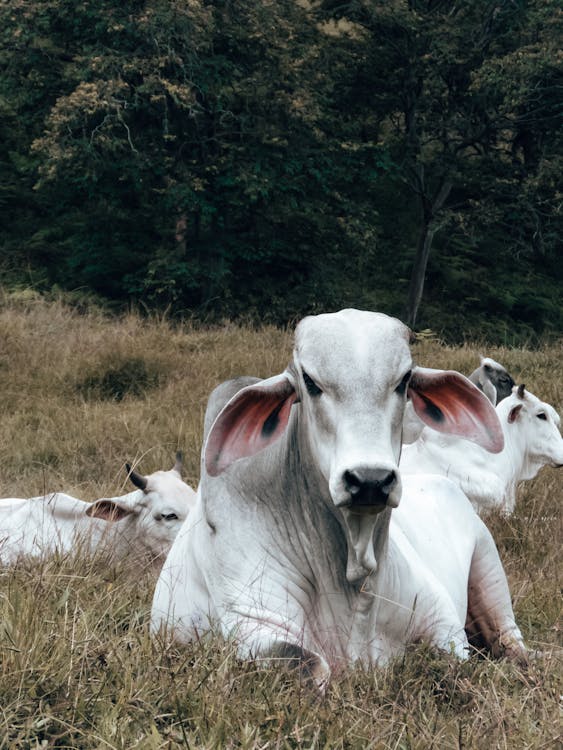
x,y
111,509
253,419
450,403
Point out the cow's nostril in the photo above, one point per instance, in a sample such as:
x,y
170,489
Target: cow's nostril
x,y
352,482
388,480
369,486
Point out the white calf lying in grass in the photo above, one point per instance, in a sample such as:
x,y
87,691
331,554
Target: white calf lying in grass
x,y
143,522
531,440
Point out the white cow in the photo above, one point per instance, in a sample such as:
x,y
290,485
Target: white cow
x,y
490,377
142,522
531,440
293,547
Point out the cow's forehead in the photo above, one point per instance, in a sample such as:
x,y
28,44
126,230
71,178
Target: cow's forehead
x,y
351,340
551,411
165,484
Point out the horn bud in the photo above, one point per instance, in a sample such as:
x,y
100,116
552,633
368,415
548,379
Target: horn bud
x,y
179,462
520,391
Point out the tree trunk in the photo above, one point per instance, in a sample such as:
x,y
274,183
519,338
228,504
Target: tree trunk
x,y
180,232
418,274
423,247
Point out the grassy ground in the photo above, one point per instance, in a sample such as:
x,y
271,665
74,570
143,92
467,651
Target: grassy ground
x,y
81,393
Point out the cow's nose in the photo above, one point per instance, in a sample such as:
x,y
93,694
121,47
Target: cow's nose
x,y
369,486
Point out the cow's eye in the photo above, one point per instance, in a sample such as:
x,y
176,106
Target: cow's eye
x,y
402,387
542,415
169,516
312,388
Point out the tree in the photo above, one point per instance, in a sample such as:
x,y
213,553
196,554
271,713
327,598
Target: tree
x,y
277,158
443,87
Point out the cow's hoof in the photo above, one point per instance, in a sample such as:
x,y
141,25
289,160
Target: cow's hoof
x,y
312,667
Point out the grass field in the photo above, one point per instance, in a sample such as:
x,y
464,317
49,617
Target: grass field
x,y
80,394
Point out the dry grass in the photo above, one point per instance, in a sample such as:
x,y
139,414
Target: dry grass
x,y
81,393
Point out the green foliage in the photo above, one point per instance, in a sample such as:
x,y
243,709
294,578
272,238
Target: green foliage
x,y
269,159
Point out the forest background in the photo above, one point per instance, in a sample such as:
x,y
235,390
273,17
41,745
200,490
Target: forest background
x,y
264,159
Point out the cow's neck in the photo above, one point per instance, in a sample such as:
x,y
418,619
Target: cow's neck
x,y
326,560
361,540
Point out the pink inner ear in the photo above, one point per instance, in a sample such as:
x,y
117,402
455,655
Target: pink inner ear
x,y
107,510
253,419
448,402
514,412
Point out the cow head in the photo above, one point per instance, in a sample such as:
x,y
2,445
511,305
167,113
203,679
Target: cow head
x,y
533,426
493,379
349,379
155,511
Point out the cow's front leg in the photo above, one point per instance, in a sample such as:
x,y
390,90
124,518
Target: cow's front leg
x,y
270,640
490,619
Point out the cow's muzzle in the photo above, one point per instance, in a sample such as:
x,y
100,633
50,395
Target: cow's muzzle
x,y
369,490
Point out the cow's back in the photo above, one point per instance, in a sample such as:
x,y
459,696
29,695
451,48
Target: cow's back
x,y
39,526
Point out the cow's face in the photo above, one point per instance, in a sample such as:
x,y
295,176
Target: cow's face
x,y
351,371
538,424
549,443
168,501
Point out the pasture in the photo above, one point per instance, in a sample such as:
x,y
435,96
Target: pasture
x,y
81,393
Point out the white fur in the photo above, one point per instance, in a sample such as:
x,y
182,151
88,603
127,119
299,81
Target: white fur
x,y
285,553
151,518
531,440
